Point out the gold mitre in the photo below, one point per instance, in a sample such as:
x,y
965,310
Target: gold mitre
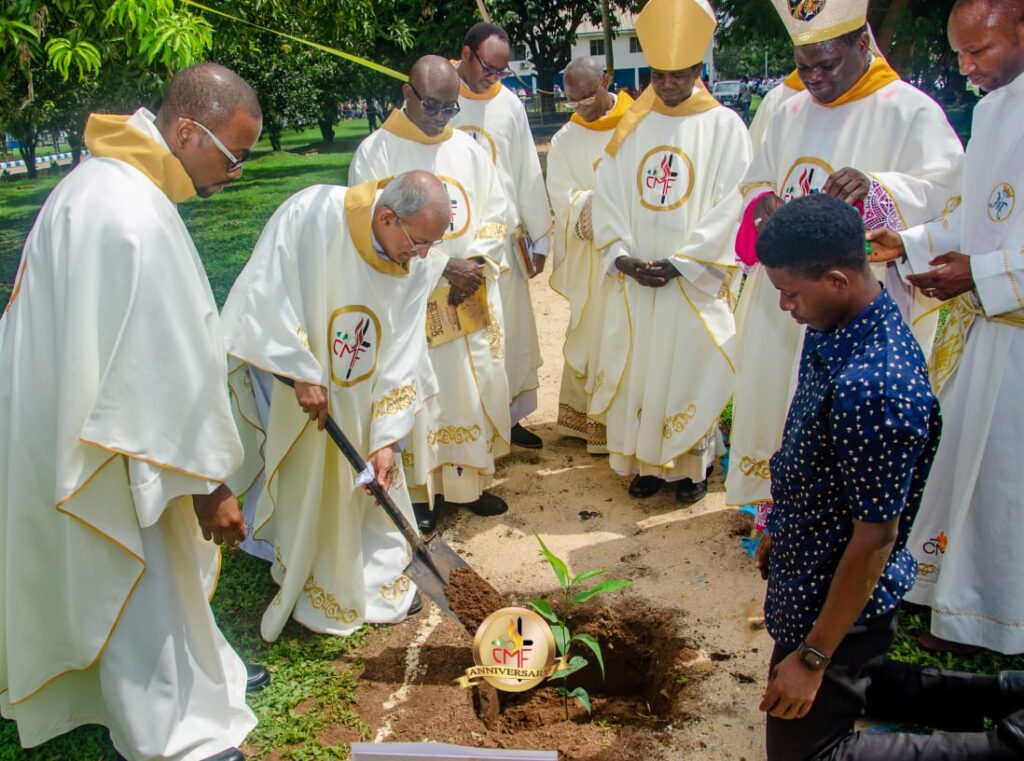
x,y
812,21
675,34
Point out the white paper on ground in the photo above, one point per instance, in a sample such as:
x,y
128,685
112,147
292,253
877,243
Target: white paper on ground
x,y
443,752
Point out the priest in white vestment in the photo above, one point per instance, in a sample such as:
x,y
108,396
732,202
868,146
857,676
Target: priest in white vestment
x,y
577,272
461,431
968,534
665,212
770,105
860,133
495,117
334,298
116,435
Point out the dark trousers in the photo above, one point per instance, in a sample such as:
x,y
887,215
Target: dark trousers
x,y
860,681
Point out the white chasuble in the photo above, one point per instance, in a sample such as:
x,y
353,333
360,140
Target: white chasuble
x,y
114,412
969,530
770,105
465,427
497,121
577,274
316,303
664,370
900,138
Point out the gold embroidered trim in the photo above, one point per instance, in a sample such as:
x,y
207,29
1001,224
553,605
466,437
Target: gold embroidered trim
x,y
759,468
396,589
408,459
677,423
492,231
303,338
453,434
494,337
394,401
326,603
571,418
1013,280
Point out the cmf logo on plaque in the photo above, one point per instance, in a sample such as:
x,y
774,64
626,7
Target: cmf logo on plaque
x,y
514,651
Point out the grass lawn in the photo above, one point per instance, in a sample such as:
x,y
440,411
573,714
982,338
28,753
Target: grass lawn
x,y
314,676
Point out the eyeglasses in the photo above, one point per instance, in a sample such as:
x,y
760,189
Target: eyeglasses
x,y
432,108
234,164
490,71
584,102
413,246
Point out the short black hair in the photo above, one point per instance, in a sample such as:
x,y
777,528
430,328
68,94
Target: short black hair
x,y
812,235
850,38
481,31
209,93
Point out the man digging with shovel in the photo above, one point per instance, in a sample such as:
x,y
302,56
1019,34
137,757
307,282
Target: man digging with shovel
x,y
333,300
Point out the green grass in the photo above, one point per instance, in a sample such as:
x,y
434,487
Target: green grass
x,y
314,676
225,227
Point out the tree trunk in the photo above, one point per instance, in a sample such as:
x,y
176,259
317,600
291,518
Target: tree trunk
x,y
609,56
27,148
545,86
899,56
327,130
274,135
75,141
5,149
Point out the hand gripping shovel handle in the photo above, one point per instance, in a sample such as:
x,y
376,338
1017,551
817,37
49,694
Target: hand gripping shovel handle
x,y
357,462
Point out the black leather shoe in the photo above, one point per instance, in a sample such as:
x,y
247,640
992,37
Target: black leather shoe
x,y
525,439
645,486
1011,690
258,678
231,754
689,492
488,504
426,519
415,606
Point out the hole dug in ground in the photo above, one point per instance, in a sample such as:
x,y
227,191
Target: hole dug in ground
x,y
647,664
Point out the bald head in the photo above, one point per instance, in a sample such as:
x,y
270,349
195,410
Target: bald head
x,y
208,93
585,69
988,38
433,72
586,84
412,214
432,95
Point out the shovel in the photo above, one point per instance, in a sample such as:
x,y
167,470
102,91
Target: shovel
x,y
432,560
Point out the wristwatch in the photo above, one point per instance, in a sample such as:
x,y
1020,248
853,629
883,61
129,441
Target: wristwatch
x,y
812,658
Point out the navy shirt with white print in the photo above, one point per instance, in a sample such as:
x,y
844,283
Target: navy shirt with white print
x,y
859,441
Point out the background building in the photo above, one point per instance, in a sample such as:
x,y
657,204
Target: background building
x,y
631,70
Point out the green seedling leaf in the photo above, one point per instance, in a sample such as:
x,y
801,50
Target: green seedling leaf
x,y
611,585
594,646
582,696
544,608
576,663
562,635
557,564
586,576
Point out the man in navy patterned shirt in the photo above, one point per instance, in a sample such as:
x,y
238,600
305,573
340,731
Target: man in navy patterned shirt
x,y
847,480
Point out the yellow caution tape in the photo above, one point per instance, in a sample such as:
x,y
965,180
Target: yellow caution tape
x,y
333,51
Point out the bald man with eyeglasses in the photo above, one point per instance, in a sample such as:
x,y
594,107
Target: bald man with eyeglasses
x,y
465,428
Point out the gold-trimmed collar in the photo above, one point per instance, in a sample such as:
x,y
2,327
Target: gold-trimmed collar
x,y
111,136
793,82
489,94
623,102
400,125
359,218
878,75
698,102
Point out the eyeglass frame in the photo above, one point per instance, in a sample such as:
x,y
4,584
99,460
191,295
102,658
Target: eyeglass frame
x,y
414,247
490,71
234,164
432,107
